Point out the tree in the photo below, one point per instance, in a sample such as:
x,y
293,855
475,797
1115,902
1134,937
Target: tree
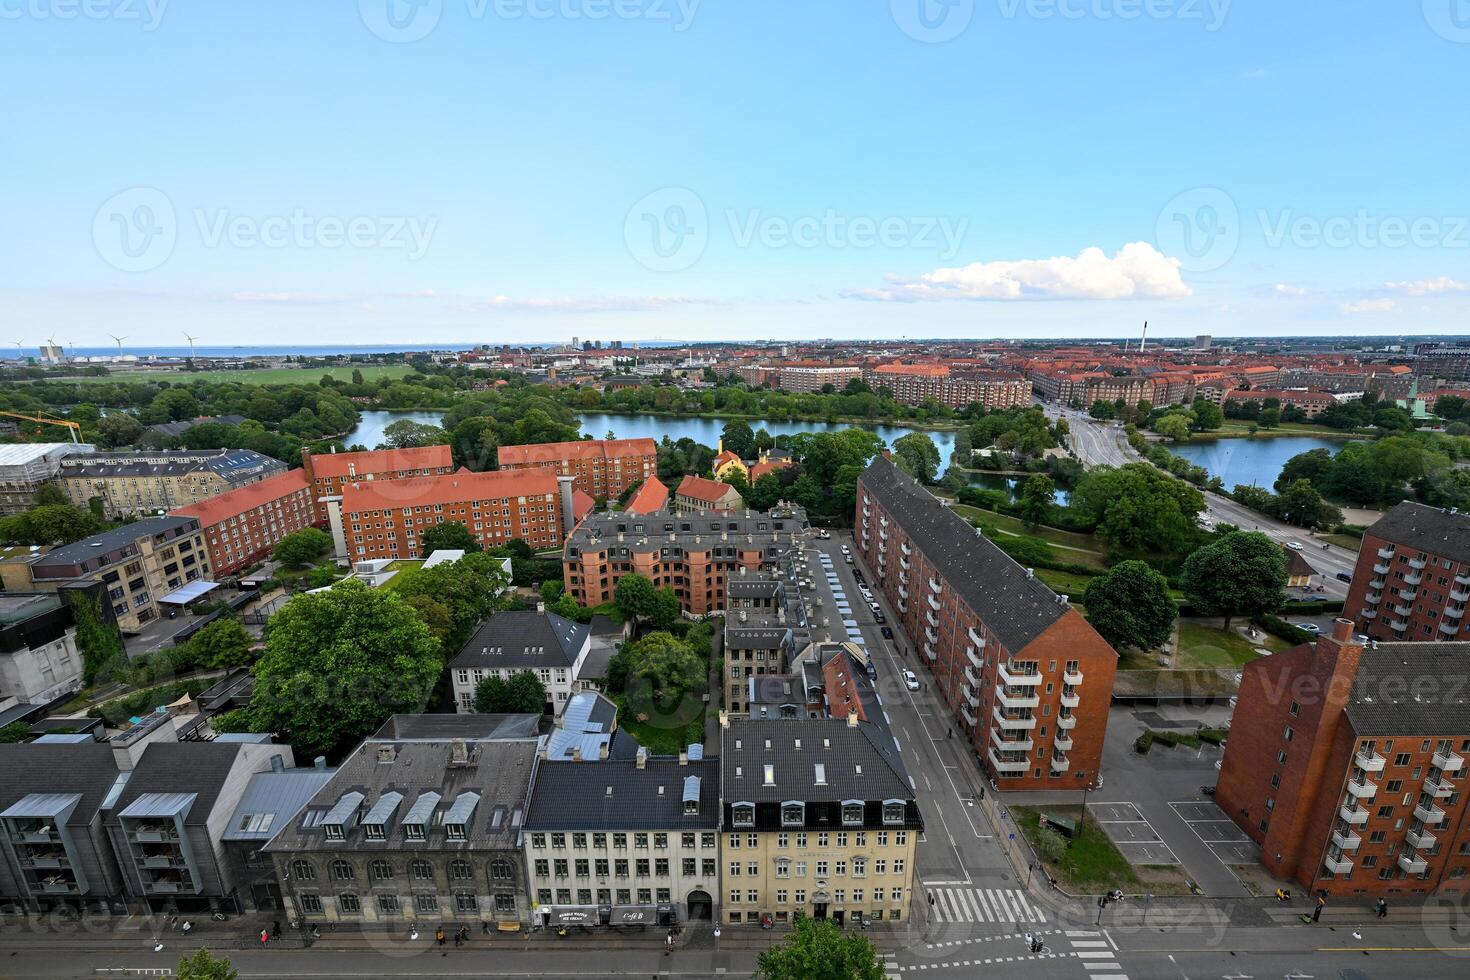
x,y
117,430
1102,410
98,638
408,434
1301,504
521,694
468,590
48,494
1139,509
664,611
1131,606
1207,415
818,950
16,731
917,456
173,405
1242,573
336,665
1394,419
1270,418
664,678
1304,466
737,479
738,437
54,524
200,965
1038,495
633,596
357,378
766,492
300,548
447,536
222,644
1174,426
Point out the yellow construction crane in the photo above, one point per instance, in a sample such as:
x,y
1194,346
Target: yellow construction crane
x,y
75,427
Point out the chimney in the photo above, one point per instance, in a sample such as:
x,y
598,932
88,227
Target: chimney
x,y
576,753
724,719
459,753
320,762
278,764
683,757
642,758
1342,630
852,719
386,753
602,749
540,607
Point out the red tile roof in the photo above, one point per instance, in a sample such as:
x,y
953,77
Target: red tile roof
x,y
712,491
761,469
448,488
380,461
724,457
582,505
652,496
248,497
555,452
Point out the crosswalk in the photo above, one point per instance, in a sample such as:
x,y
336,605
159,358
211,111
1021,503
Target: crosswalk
x,y
982,905
1096,955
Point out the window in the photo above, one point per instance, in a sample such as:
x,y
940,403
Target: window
x,y
640,840
661,867
543,868
466,902
742,815
349,902
419,870
382,871
584,867
501,870
579,841
661,841
311,902
505,904
388,904
603,866
734,869
792,814
461,870
707,868
893,811
852,813
454,831
538,840
426,903
413,831
342,871
303,871
562,868
559,841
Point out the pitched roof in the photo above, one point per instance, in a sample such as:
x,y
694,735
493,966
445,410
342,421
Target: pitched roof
x,y
523,638
88,769
1428,529
1411,689
231,465
438,727
111,540
555,452
582,504
652,496
271,799
446,488
1017,609
200,768
726,456
711,491
381,461
859,762
248,497
617,795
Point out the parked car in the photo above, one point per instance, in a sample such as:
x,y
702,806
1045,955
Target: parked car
x,y
887,632
847,558
1345,576
1308,627
878,616
910,681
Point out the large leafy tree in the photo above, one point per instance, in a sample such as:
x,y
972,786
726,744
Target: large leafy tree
x,y
336,665
634,596
300,548
1036,498
522,693
202,965
467,591
1130,606
1241,574
1140,509
738,437
54,524
408,434
820,951
447,536
917,455
222,644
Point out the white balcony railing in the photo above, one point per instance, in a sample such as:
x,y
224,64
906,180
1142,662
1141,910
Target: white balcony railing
x,y
1010,743
1060,763
1070,700
1011,766
1363,789
1012,722
1448,761
1354,815
1432,816
1066,722
1439,787
975,638
1016,700
1338,865
1009,676
1348,841
1412,864
973,657
1072,677
1370,761
1062,741
1422,839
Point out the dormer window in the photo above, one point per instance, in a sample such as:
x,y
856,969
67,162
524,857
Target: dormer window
x,y
334,831
852,813
413,831
893,811
793,813
743,814
454,831
374,831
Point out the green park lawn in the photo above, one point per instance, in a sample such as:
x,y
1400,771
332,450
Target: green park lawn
x,y
265,376
1205,648
1091,864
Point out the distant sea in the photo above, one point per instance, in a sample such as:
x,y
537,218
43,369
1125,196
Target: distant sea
x,y
322,351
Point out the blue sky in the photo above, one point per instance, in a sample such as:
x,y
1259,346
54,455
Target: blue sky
x,y
272,171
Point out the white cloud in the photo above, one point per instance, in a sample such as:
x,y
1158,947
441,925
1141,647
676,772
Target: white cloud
x,y
1370,306
301,299
593,304
1137,270
1428,287
1286,289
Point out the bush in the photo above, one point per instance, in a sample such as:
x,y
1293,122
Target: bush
x,y
1351,530
1213,736
1279,627
1143,742
1051,844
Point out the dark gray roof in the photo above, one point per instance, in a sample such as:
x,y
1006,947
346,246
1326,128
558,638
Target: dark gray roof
x,y
467,726
760,587
200,768
1412,689
640,534
1015,608
271,800
859,762
1429,529
234,466
523,638
89,769
575,795
101,544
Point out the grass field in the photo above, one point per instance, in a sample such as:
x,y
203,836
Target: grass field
x,y
1084,549
1091,863
266,376
1202,647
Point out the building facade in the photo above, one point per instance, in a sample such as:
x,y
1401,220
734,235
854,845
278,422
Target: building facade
x,y
127,484
913,384
1412,579
815,377
600,468
39,657
242,527
696,495
1027,679
758,638
26,466
1344,763
522,641
328,473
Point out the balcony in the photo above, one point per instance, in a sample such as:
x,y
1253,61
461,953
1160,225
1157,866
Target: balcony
x,y
1066,722
1072,677
929,652
1009,676
1070,699
903,546
1062,741
1013,767
1368,612
1463,579
1398,625
1347,841
973,657
157,861
1448,761
965,714
930,635
975,638
162,887
60,886
970,677
35,837
1460,595
1449,629
1412,864
1376,596
1455,611
1439,787
903,593
1010,743
1417,564
1420,839
1370,761
1413,578
1403,610
935,587
1363,789
1376,585
1430,815
1338,865
1381,568
1005,721
1016,700
1385,553
934,604
45,862
1354,815
971,698
1410,594
1060,763
905,564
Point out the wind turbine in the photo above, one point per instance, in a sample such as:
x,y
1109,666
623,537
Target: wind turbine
x,y
192,355
119,343
20,350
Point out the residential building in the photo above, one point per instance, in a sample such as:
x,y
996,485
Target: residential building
x,y
172,433
242,527
132,483
815,377
600,468
758,639
140,564
1412,580
913,384
383,518
695,555
39,657
522,641
727,462
25,466
328,473
1345,761
1028,679
588,731
414,830
696,495
819,817
651,496
1313,403
625,841
272,799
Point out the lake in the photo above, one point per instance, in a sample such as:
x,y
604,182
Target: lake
x,y
1010,485
1250,462
369,431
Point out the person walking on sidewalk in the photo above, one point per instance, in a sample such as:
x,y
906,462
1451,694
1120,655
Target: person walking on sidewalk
x,y
1382,908
439,935
265,936
1317,912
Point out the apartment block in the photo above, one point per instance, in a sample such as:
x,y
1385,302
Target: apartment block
x,y
819,818
1028,679
758,638
814,377
139,564
384,518
1412,580
39,657
625,842
522,641
913,384
128,484
600,468
1313,403
244,526
1345,763
696,555
26,466
329,473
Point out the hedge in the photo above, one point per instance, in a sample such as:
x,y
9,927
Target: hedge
x,y
1279,627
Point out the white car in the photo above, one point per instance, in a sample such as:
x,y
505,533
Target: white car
x,y
1294,545
1308,627
910,681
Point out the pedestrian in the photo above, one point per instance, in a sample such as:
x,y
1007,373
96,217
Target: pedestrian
x,y
187,927
265,937
1382,909
485,928
276,929
439,935
158,946
1317,912
669,943
931,900
458,939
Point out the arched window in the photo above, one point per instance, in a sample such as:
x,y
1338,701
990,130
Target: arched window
x,y
303,871
500,870
461,870
342,871
421,870
382,871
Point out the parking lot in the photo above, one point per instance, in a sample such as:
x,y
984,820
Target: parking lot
x,y
1217,831
1130,830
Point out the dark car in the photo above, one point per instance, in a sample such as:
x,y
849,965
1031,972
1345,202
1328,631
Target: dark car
x,y
857,573
887,632
878,616
1344,576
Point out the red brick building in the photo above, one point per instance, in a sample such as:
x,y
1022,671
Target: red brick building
x,y
696,555
1314,403
384,518
1344,763
598,467
695,494
328,473
244,526
912,384
1028,680
652,496
1412,581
